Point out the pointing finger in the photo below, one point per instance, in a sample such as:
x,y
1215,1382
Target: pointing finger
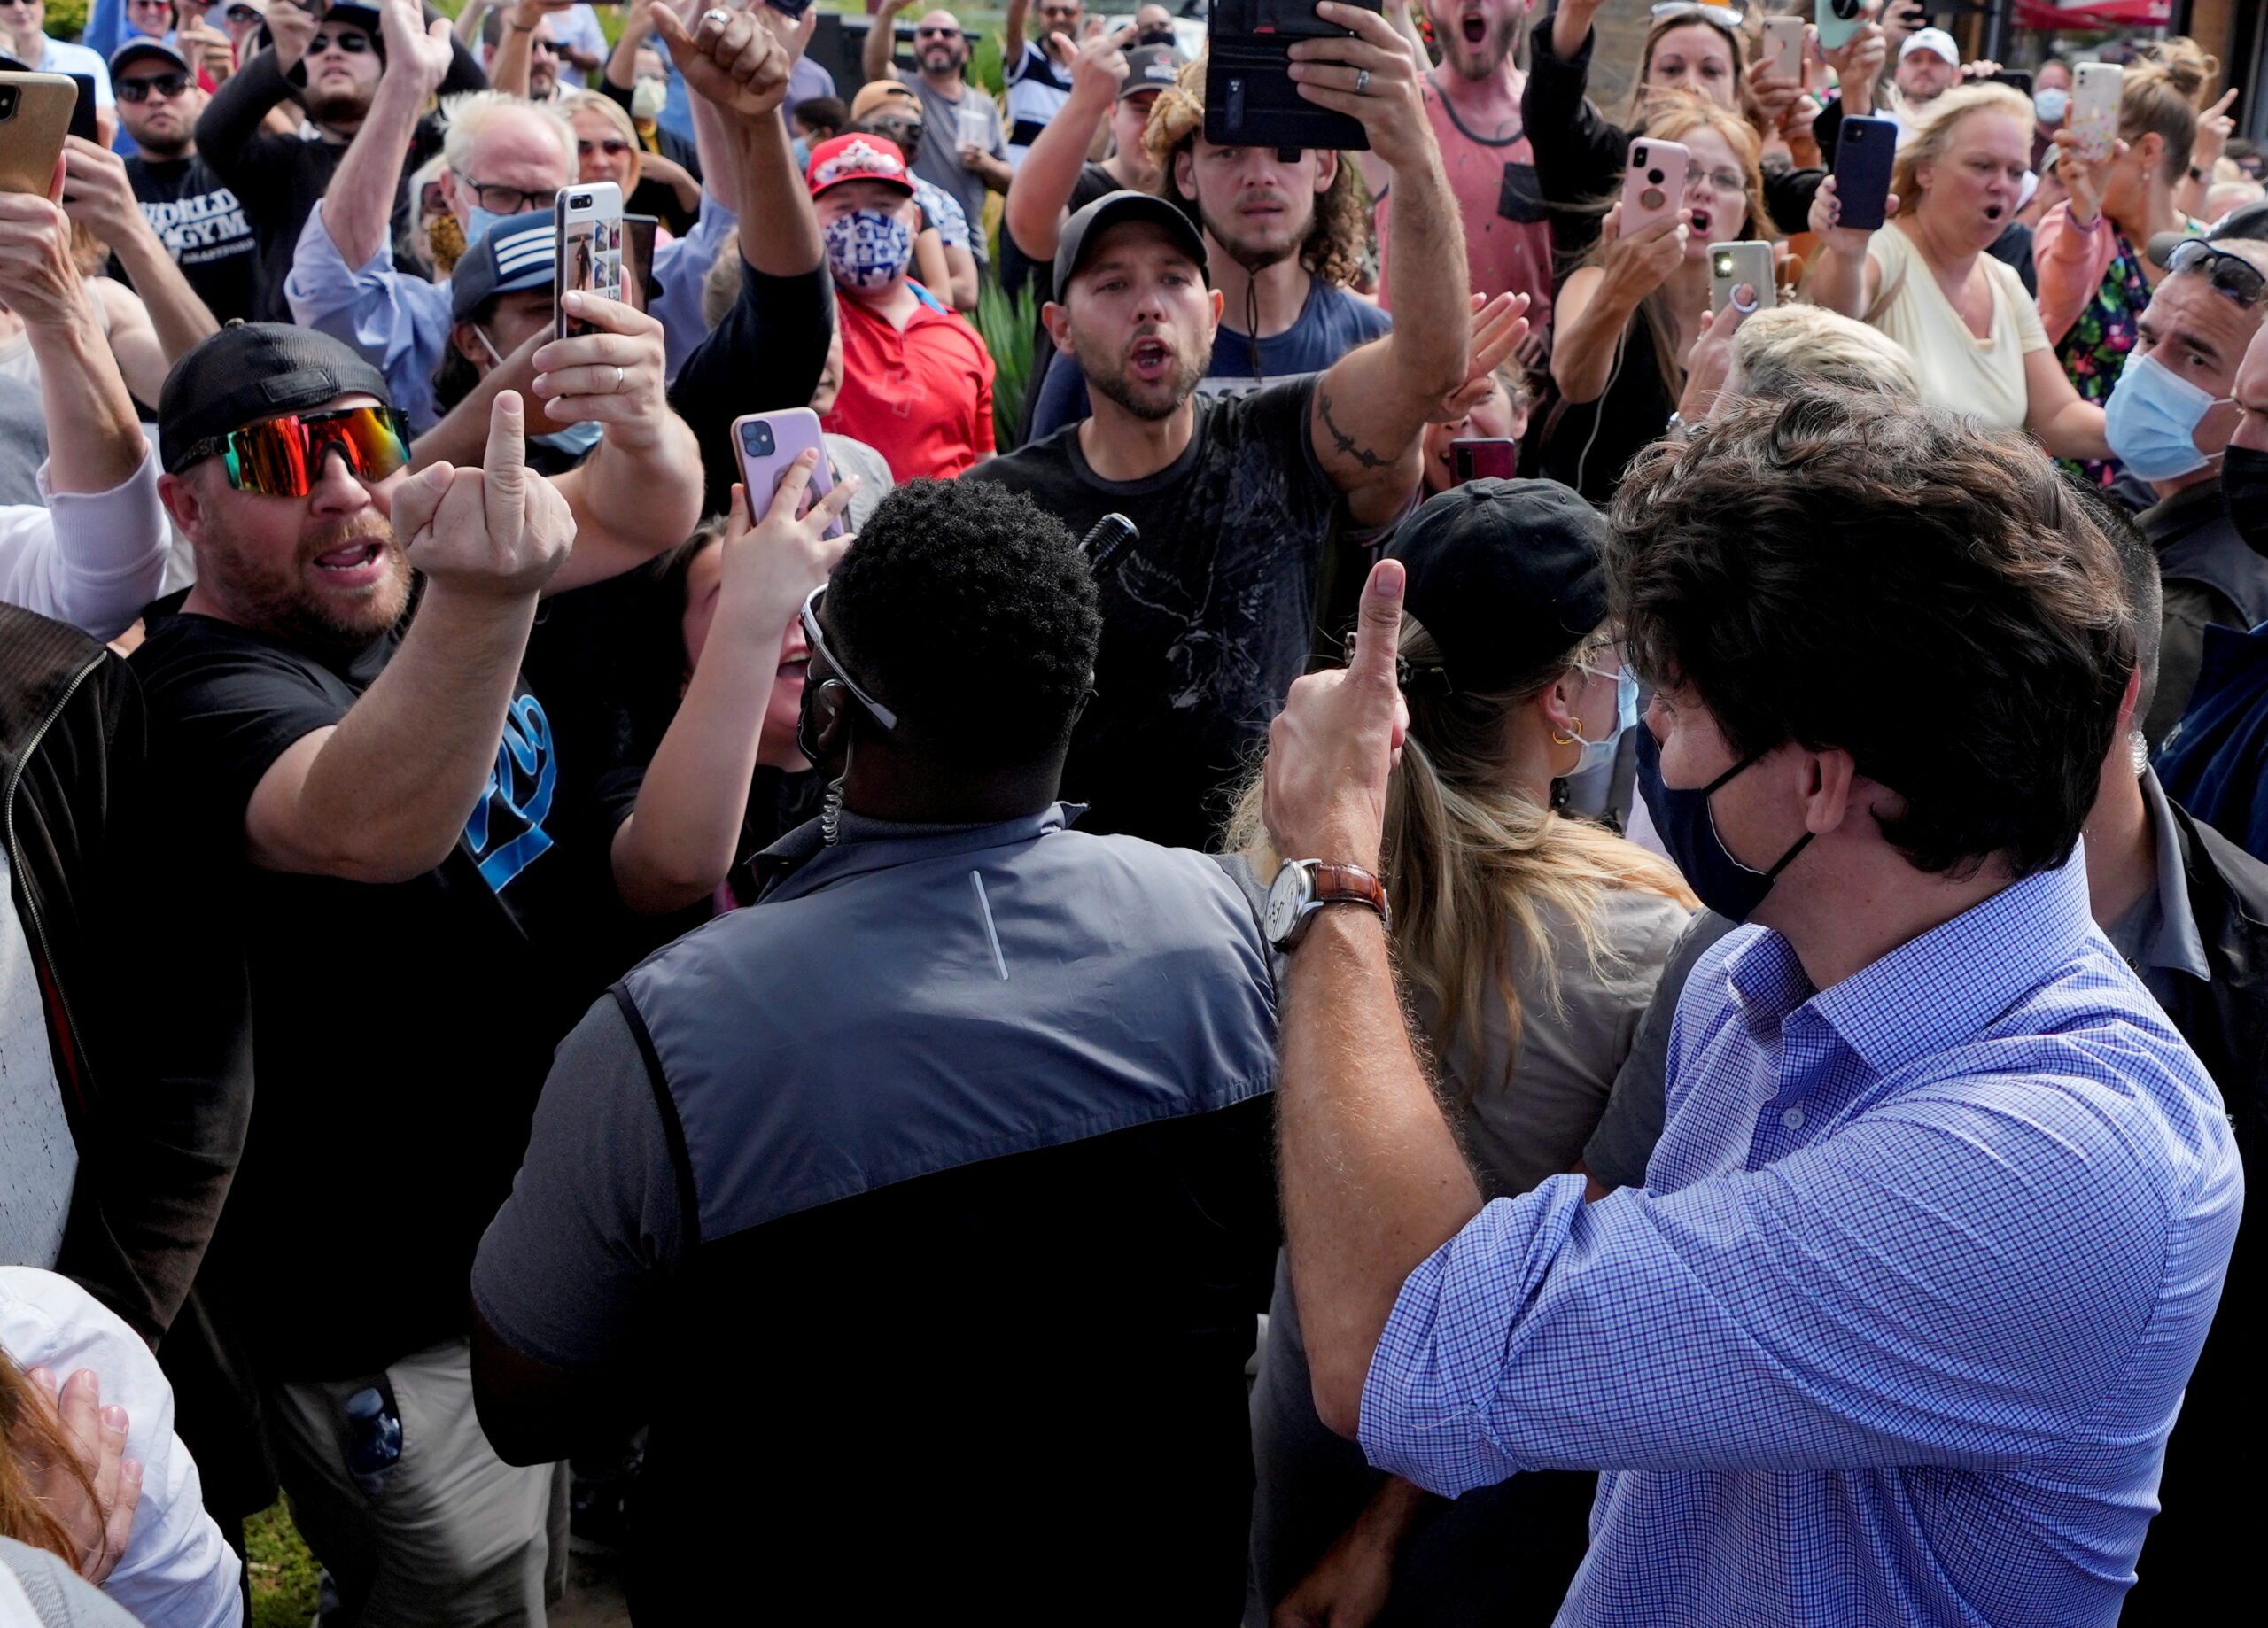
x,y
1378,629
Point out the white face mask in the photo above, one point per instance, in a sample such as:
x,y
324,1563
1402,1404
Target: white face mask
x,y
2051,104
648,97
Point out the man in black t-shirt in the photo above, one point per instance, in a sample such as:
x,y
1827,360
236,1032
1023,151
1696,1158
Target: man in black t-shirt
x,y
396,882
194,213
1212,613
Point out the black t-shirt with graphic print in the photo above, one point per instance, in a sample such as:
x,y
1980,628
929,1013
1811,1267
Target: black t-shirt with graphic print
x,y
400,1032
204,228
1206,618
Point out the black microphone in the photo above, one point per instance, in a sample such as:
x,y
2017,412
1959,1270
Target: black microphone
x,y
1112,536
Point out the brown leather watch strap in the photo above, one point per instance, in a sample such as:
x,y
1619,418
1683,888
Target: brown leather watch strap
x,y
1351,884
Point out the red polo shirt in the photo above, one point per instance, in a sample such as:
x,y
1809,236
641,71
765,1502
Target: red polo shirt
x,y
921,398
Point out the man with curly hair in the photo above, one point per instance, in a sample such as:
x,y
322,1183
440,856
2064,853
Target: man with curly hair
x,y
1285,232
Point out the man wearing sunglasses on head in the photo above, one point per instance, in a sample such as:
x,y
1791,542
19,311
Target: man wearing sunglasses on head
x,y
194,213
2168,421
402,889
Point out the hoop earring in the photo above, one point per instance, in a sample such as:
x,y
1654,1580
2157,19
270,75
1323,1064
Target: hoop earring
x,y
1558,739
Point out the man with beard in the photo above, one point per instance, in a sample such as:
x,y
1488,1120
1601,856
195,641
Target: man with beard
x,y
400,887
192,211
329,64
1473,99
963,167
1284,233
1239,499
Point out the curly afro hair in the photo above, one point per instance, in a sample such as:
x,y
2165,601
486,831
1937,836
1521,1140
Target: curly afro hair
x,y
971,612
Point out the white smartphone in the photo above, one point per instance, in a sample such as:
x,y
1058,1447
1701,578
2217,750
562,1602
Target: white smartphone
x,y
766,443
1654,185
2094,106
587,237
1783,46
1740,274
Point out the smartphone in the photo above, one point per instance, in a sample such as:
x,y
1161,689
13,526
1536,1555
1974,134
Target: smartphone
x,y
587,237
1783,46
83,121
638,257
2015,79
1837,20
1484,458
1735,267
1251,99
1863,155
2094,106
768,442
34,117
1654,185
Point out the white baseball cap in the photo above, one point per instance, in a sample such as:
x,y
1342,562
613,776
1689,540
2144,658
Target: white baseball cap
x,y
1932,40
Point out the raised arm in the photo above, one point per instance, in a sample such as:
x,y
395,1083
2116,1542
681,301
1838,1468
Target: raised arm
x,y
2065,425
1579,155
229,137
1012,32
637,29
382,795
358,205
515,45
469,21
1370,406
96,192
1058,156
736,65
94,440
874,57
1843,276
1372,1179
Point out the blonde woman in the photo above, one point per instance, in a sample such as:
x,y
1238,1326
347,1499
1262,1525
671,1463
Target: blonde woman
x,y
1926,281
1530,943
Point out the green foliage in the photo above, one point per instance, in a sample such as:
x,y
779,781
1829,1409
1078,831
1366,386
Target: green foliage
x,y
66,19
285,1581
1010,328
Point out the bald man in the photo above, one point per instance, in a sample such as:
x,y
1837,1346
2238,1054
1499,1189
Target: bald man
x,y
952,110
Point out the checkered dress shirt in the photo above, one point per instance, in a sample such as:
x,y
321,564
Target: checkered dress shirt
x,y
1896,1330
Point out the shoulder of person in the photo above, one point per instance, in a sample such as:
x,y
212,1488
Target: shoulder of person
x,y
46,1320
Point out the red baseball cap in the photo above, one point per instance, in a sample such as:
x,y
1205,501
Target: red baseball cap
x,y
856,157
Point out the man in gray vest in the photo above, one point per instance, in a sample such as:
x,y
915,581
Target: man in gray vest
x,y
920,1209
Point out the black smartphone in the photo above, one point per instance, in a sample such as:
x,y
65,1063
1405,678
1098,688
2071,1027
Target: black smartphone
x,y
1484,458
1863,154
2015,79
1251,99
82,115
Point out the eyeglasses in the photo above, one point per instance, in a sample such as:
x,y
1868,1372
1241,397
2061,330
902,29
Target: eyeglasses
x,y
1723,16
503,200
165,85
817,642
149,6
283,457
2229,274
1722,180
353,42
613,146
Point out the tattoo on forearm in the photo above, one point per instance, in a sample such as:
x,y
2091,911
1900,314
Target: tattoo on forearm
x,y
1344,444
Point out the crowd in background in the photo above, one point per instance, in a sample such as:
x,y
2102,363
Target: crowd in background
x,y
805,1036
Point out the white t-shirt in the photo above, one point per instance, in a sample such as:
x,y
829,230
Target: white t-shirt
x,y
38,1159
62,56
177,1571
1960,372
92,559
1037,88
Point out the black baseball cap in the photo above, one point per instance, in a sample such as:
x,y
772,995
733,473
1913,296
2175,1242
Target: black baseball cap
x,y
1151,67
2247,220
1506,575
249,371
1115,209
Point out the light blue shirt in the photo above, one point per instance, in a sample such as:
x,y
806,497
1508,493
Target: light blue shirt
x,y
1897,1328
61,57
400,322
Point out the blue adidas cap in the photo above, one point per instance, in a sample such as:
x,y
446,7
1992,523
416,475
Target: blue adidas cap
x,y
518,254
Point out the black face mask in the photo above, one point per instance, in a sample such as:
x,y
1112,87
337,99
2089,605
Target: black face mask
x,y
2244,487
1687,830
1154,36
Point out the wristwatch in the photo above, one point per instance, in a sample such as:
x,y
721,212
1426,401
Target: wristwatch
x,y
1302,887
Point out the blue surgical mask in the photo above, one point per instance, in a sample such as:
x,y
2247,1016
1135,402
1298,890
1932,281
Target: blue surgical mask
x,y
2151,420
867,249
2051,104
1688,832
1601,752
480,222
575,440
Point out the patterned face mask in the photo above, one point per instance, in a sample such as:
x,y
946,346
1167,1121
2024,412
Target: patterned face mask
x,y
867,249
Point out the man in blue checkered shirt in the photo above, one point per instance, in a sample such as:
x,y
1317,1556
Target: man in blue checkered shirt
x,y
1896,1330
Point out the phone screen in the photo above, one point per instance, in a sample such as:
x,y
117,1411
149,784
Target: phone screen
x,y
591,261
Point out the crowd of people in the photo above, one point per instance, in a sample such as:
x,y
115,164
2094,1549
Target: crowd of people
x,y
1610,967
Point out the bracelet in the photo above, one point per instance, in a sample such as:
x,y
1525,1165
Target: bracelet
x,y
2090,225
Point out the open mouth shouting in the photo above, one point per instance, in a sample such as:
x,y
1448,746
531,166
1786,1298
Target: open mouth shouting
x,y
1702,218
1150,359
358,563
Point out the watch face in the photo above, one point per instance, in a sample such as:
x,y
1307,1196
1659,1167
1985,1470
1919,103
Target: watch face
x,y
1285,898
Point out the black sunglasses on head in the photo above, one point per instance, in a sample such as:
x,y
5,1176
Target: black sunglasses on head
x,y
2229,274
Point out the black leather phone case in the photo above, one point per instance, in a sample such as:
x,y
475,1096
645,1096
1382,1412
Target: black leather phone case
x,y
1251,99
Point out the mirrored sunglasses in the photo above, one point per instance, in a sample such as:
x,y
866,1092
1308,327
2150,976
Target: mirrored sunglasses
x,y
283,457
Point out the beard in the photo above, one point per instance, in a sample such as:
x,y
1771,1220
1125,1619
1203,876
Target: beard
x,y
282,604
1256,258
338,107
1104,368
1479,62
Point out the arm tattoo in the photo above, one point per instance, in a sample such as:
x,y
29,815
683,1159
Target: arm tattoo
x,y
1344,444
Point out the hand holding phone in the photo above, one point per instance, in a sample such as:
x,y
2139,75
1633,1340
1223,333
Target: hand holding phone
x,y
1740,275
587,240
1653,186
35,113
1484,458
1863,157
768,444
2095,95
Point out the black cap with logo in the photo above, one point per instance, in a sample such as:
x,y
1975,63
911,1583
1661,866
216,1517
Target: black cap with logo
x,y
249,371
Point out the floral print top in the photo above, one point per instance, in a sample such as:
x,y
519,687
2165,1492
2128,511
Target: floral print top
x,y
2094,352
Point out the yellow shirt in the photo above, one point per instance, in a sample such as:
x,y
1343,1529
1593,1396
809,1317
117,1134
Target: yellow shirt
x,y
1960,372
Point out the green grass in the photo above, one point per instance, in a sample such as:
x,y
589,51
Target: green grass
x,y
284,1576
1010,331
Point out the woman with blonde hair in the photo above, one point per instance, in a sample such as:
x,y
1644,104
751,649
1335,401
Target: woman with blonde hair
x,y
2095,276
1530,943
1927,280
1626,320
606,148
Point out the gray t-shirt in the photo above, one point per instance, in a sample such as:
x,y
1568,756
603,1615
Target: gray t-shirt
x,y
38,1159
23,441
1617,1153
938,161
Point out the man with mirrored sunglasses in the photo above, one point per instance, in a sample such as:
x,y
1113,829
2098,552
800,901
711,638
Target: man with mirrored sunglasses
x,y
402,890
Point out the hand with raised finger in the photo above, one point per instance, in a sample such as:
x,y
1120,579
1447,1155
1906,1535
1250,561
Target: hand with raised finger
x,y
1499,327
291,26
729,58
2214,127
1710,362
498,532
1368,75
768,567
1100,66
93,1497
1332,747
613,377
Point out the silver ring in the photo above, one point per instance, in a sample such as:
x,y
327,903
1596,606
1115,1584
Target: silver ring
x,y
619,376
1363,81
